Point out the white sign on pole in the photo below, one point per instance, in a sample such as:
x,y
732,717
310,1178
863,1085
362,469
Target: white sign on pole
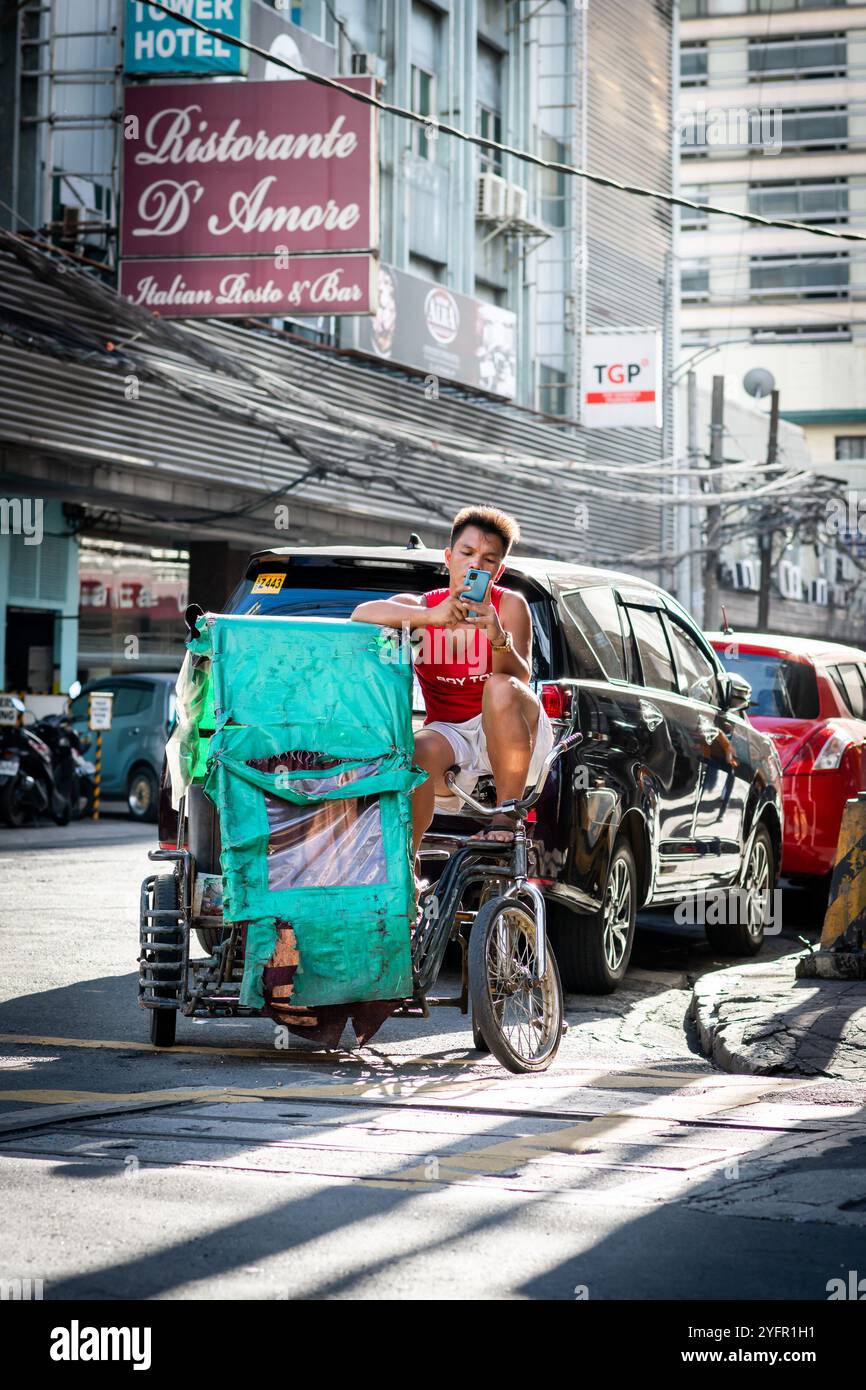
x,y
8,712
99,714
622,380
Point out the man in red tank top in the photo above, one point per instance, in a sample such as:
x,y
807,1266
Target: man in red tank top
x,y
474,669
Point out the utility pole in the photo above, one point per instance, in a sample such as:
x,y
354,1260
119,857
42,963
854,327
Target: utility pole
x,y
692,529
767,531
711,554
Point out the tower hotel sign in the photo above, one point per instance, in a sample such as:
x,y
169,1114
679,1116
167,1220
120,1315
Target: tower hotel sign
x,y
155,43
240,170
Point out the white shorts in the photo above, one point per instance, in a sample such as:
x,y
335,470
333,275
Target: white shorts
x,y
470,748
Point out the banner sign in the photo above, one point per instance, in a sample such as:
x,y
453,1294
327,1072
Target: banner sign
x,y
248,169
99,707
622,380
423,325
272,30
265,285
155,43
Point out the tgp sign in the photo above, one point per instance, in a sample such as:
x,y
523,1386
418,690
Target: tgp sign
x,y
621,380
248,169
155,42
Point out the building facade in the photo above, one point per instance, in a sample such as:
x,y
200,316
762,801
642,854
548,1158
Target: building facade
x,y
159,496
772,120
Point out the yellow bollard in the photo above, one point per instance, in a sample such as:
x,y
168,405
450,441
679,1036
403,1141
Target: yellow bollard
x,y
845,919
97,776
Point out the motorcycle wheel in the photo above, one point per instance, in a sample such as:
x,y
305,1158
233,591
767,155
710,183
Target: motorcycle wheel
x,y
13,810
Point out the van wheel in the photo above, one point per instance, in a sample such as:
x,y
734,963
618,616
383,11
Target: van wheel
x,y
142,794
593,950
738,937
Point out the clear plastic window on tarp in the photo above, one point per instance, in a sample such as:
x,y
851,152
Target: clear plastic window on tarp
x,y
328,844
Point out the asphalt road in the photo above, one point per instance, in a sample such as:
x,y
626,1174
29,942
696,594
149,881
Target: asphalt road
x,y
413,1168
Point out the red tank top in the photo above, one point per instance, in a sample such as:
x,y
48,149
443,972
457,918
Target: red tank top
x,y
452,666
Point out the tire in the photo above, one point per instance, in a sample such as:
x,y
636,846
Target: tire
x,y
594,949
478,1041
12,813
736,938
522,1027
163,1022
142,794
163,1027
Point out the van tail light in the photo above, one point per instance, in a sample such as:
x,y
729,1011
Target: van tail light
x,y
822,751
556,701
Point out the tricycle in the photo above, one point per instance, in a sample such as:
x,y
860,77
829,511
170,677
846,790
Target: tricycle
x,y
297,733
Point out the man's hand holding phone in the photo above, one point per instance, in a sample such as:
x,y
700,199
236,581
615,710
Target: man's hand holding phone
x,y
450,613
484,618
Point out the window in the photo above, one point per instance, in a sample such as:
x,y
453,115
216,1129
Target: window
x,y
779,59
128,700
693,64
803,333
690,219
697,673
695,281
693,9
596,613
316,16
652,645
812,277
488,121
552,390
554,204
424,102
490,127
807,200
814,129
780,689
773,6
850,447
849,682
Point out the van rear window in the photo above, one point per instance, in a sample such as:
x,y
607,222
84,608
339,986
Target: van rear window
x,y
330,599
290,602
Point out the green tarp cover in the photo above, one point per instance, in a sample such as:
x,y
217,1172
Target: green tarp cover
x,y
320,844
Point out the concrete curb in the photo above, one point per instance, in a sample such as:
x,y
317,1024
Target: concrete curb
x,y
759,1019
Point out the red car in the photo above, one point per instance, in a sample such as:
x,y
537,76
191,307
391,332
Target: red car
x,y
810,697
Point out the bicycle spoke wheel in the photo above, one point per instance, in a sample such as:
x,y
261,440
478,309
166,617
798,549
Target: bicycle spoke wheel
x,y
519,1018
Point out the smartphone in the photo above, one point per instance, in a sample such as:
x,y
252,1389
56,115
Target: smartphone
x,y
476,585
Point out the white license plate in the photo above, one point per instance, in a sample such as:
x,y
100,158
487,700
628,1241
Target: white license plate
x,y
9,769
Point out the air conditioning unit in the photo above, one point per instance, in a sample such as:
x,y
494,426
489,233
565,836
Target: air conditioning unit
x,y
747,574
819,592
790,580
365,64
516,202
492,200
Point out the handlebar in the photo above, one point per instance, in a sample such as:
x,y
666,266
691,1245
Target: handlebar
x,y
518,807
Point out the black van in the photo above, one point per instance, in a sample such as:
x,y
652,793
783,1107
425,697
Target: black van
x,y
672,791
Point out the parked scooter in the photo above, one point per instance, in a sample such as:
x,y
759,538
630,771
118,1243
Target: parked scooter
x,y
73,774
42,771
